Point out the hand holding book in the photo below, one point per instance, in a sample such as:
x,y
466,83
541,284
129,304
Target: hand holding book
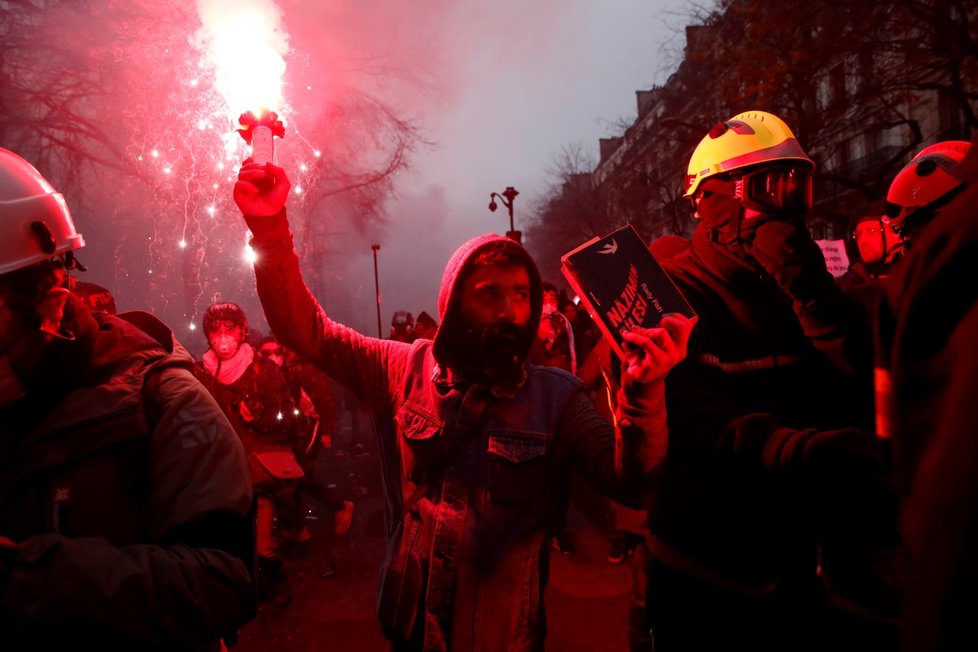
x,y
655,351
623,288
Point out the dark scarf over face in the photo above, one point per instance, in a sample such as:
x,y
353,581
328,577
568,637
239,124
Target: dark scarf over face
x,y
63,359
724,235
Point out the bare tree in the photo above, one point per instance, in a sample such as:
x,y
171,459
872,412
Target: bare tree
x,y
569,213
862,84
841,71
114,101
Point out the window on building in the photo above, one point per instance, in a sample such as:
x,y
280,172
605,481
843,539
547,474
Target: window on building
x,y
837,85
867,67
949,117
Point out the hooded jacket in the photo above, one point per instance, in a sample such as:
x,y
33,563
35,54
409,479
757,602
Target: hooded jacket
x,y
466,565
128,496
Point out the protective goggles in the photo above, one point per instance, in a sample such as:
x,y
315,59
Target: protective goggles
x,y
782,188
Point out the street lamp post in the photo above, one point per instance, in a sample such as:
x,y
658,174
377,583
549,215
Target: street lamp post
x,y
376,248
507,200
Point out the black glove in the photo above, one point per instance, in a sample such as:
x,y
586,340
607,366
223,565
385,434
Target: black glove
x,y
835,324
786,251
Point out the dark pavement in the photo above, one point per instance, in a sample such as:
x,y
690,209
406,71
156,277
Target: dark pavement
x,y
586,598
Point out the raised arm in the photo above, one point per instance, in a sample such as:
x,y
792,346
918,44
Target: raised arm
x,y
370,367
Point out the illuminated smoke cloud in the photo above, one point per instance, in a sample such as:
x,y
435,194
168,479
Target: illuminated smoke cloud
x,y
246,43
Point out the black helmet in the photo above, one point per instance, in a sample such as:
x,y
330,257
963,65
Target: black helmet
x,y
426,320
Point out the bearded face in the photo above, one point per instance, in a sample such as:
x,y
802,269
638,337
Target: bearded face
x,y
495,313
496,345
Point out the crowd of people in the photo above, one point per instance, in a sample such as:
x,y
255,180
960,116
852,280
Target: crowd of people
x,y
404,328
282,411
794,466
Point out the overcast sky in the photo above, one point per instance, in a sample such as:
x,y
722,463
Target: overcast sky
x,y
514,88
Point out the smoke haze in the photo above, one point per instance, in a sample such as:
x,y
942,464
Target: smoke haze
x,y
493,90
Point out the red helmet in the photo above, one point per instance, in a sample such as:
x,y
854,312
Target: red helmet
x,y
925,184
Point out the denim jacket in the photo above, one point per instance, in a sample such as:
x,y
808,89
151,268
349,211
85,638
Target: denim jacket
x,y
478,531
466,565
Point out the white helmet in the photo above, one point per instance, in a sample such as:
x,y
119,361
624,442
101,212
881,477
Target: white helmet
x,y
35,224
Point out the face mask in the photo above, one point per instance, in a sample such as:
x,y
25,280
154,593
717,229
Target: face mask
x,y
225,346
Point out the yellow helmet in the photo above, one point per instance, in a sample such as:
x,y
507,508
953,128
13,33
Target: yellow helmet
x,y
747,139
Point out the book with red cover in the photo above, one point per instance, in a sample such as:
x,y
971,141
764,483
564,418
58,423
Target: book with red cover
x,y
621,284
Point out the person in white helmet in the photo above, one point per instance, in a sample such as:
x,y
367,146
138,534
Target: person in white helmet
x,y
125,503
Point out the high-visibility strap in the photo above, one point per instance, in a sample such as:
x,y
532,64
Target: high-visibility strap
x,y
883,384
767,362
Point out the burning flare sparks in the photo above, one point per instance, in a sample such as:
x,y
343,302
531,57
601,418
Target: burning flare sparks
x,y
246,43
236,66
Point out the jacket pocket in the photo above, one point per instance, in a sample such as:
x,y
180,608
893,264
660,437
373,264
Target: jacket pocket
x,y
419,442
516,467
